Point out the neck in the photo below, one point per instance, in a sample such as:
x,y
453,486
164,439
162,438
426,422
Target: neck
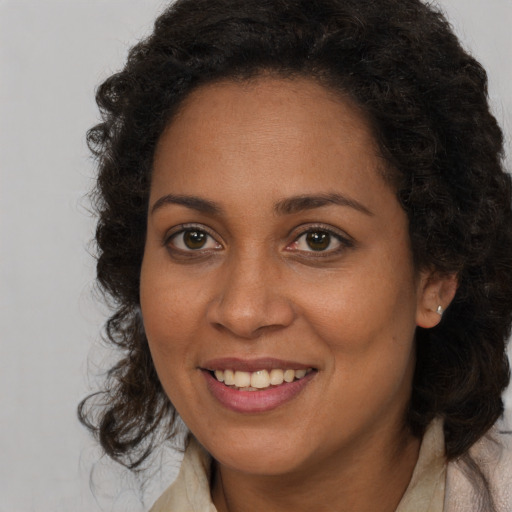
x,y
364,479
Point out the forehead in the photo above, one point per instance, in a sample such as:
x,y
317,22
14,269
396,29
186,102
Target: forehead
x,y
286,135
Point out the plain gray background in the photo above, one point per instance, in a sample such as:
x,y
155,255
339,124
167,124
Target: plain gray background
x,y
52,55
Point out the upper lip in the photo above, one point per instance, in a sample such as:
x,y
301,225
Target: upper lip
x,y
252,365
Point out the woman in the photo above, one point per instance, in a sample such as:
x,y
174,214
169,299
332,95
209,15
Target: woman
x,y
306,229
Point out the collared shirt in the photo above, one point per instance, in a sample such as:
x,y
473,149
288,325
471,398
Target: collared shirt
x,y
435,486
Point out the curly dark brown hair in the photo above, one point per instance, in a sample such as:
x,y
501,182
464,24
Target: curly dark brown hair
x,y
426,100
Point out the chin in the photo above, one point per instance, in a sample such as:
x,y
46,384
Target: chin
x,y
257,453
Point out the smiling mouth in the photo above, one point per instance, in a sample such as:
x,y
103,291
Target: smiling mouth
x,y
258,380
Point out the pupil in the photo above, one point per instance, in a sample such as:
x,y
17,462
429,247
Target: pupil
x,y
194,239
318,240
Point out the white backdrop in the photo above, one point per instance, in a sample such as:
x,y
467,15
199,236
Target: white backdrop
x,y
52,55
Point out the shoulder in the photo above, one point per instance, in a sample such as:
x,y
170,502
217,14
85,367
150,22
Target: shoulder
x,y
492,455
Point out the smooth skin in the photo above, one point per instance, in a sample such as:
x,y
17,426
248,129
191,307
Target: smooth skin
x,y
238,264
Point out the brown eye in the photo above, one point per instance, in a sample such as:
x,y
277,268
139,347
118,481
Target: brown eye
x,y
318,240
194,239
321,241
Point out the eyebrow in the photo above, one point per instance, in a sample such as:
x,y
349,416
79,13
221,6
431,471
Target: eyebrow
x,y
288,206
192,202
297,204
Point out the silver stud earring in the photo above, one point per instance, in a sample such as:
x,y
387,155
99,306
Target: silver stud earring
x,y
440,310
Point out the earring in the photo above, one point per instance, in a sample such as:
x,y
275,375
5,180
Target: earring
x,y
440,310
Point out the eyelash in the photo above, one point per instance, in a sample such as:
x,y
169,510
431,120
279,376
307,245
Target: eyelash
x,y
182,230
344,241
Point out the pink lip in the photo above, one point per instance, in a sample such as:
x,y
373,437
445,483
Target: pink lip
x,y
255,401
252,365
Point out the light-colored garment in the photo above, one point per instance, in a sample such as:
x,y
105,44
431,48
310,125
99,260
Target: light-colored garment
x,y
435,485
493,455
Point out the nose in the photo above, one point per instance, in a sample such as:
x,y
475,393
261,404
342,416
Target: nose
x,y
251,301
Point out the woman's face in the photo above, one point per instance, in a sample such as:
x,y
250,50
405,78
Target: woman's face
x,y
275,249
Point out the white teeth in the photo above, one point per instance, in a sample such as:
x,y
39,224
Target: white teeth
x,y
242,379
261,379
276,377
289,375
229,377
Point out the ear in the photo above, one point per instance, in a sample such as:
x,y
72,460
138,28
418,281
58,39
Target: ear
x,y
435,293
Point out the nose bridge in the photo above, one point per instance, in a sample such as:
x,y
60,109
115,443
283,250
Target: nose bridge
x,y
250,297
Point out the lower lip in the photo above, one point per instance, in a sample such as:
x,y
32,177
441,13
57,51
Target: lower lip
x,y
256,401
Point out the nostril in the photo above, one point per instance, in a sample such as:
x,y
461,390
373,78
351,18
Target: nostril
x,y
249,306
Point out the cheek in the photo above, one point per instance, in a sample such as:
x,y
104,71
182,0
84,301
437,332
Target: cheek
x,y
357,309
367,326
168,325
170,317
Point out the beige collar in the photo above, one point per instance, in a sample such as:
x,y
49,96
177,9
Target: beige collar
x,y
425,492
191,491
